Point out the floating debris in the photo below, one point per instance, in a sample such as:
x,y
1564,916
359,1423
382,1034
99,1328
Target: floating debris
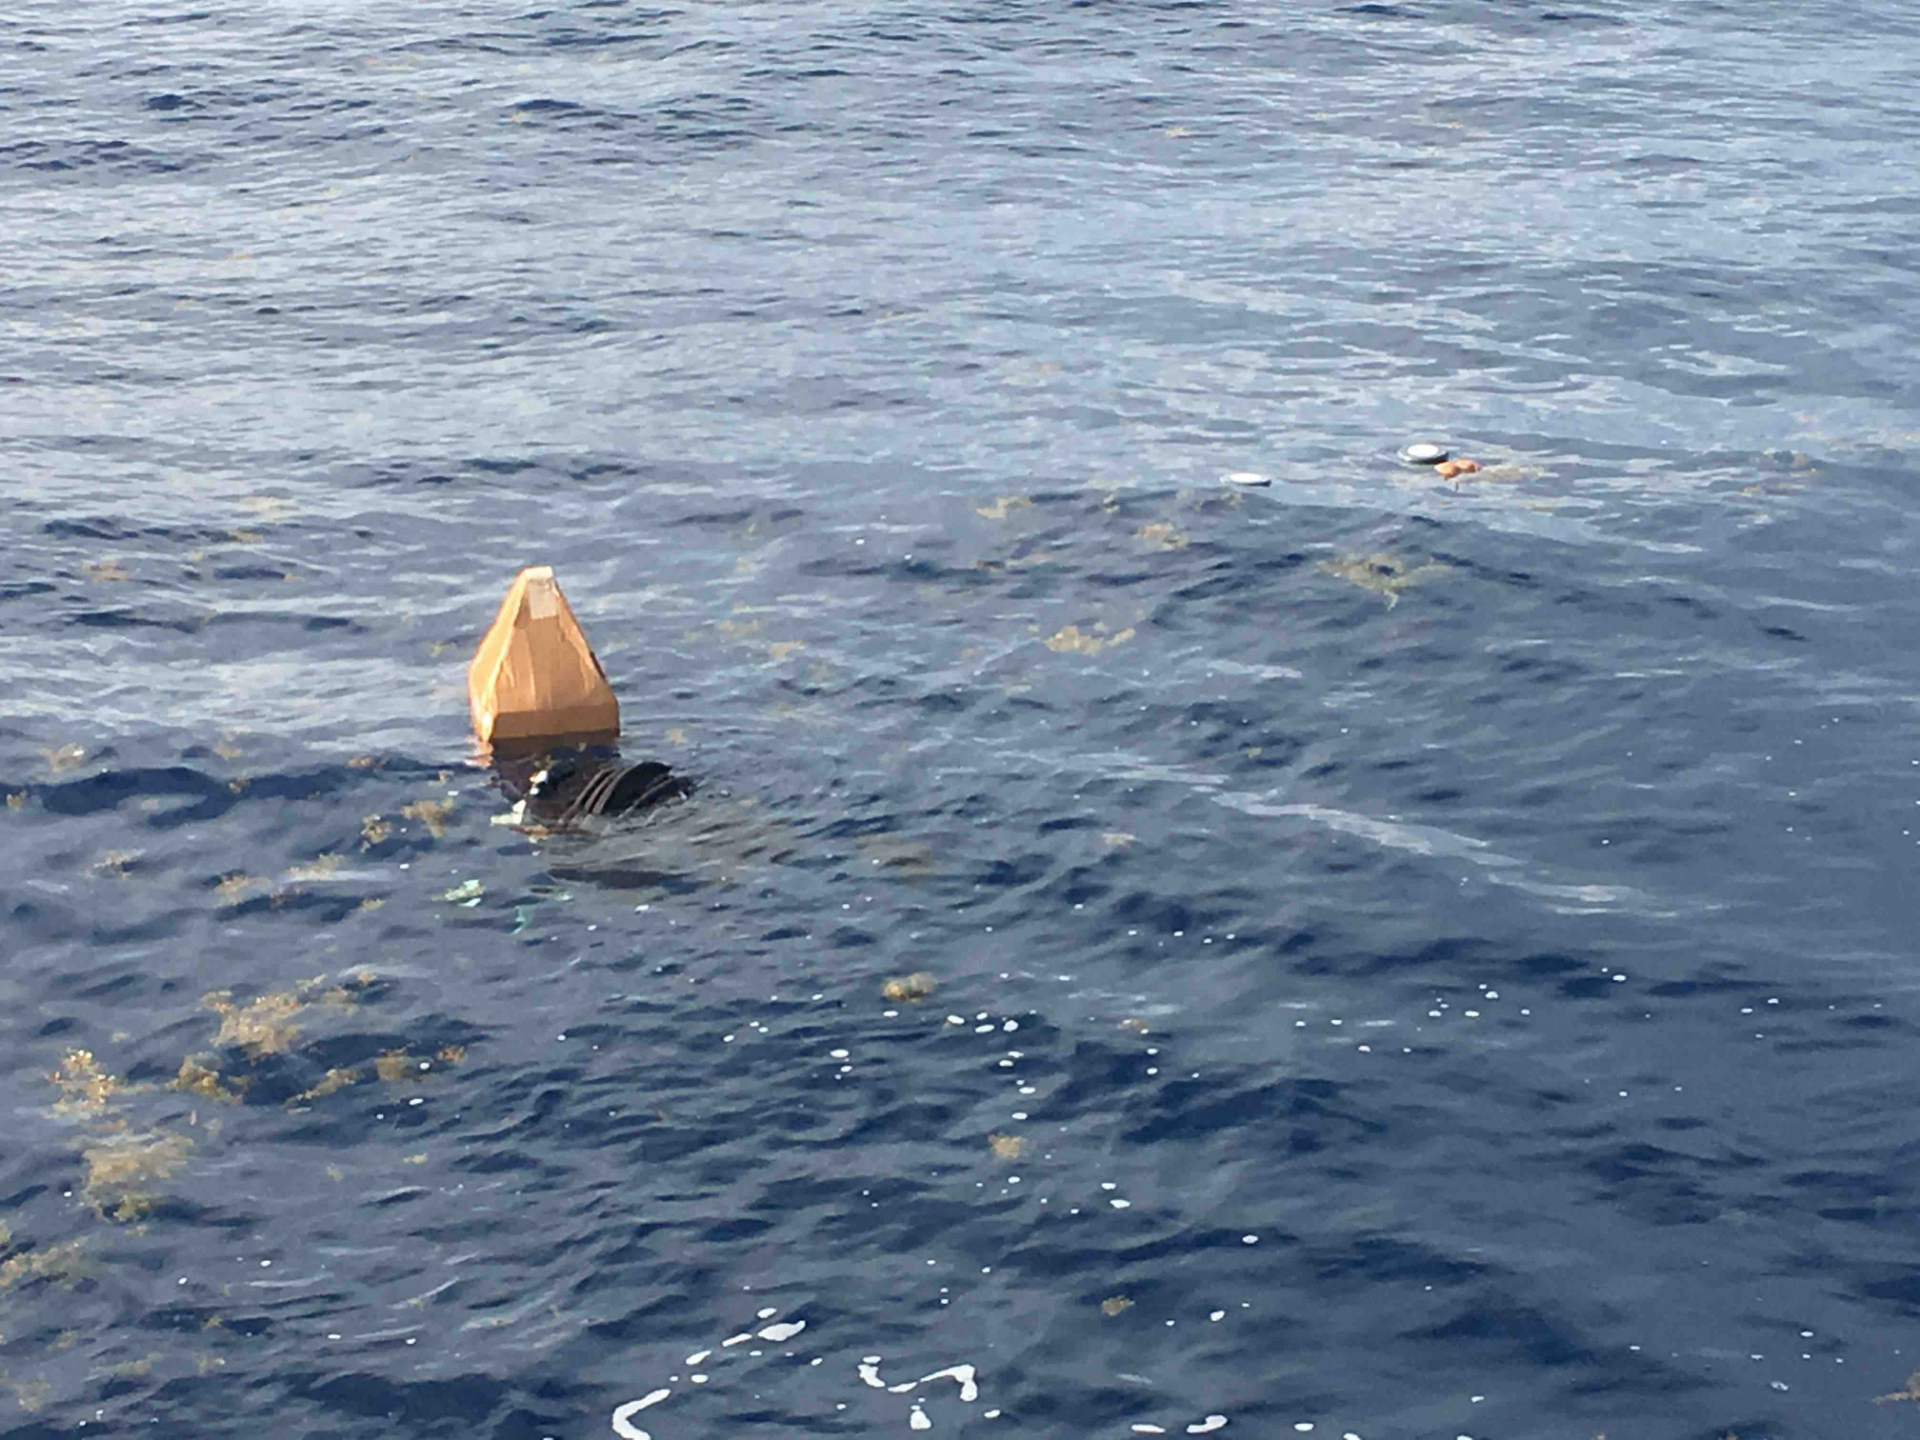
x,y
115,862
321,867
1161,536
107,571
1027,560
338,1078
1246,479
60,1263
891,852
1117,839
1074,640
85,1089
1381,573
264,1027
30,1395
198,1078
66,757
1007,1147
1911,1391
1423,452
467,894
399,1067
910,989
373,831
268,507
999,508
116,1167
1113,1305
233,888
534,674
430,813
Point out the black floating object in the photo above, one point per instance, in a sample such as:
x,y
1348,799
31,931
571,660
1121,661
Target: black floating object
x,y
567,793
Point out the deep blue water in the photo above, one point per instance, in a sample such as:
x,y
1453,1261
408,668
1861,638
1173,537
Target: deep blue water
x,y
1413,958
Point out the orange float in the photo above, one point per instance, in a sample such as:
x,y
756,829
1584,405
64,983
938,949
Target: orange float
x,y
535,677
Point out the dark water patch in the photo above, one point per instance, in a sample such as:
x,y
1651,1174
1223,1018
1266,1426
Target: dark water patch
x,y
203,797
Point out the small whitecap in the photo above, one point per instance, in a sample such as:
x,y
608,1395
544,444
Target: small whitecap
x,y
622,1417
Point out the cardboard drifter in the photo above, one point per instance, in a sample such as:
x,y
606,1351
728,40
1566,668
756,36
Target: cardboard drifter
x,y
534,675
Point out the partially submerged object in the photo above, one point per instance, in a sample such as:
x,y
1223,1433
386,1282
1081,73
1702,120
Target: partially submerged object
x,y
535,677
1385,575
569,791
542,706
1446,465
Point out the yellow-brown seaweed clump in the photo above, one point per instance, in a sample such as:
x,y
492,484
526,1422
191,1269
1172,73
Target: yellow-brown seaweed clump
x,y
1072,640
909,988
264,1027
199,1078
117,1168
400,1067
85,1089
1381,573
431,813
337,1078
59,1263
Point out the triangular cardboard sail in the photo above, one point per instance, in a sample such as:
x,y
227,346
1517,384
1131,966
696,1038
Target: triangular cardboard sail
x,y
534,675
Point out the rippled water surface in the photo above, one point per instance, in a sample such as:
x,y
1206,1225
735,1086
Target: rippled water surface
x,y
1411,957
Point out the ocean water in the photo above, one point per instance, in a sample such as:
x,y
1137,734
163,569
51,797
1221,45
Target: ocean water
x,y
1405,957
